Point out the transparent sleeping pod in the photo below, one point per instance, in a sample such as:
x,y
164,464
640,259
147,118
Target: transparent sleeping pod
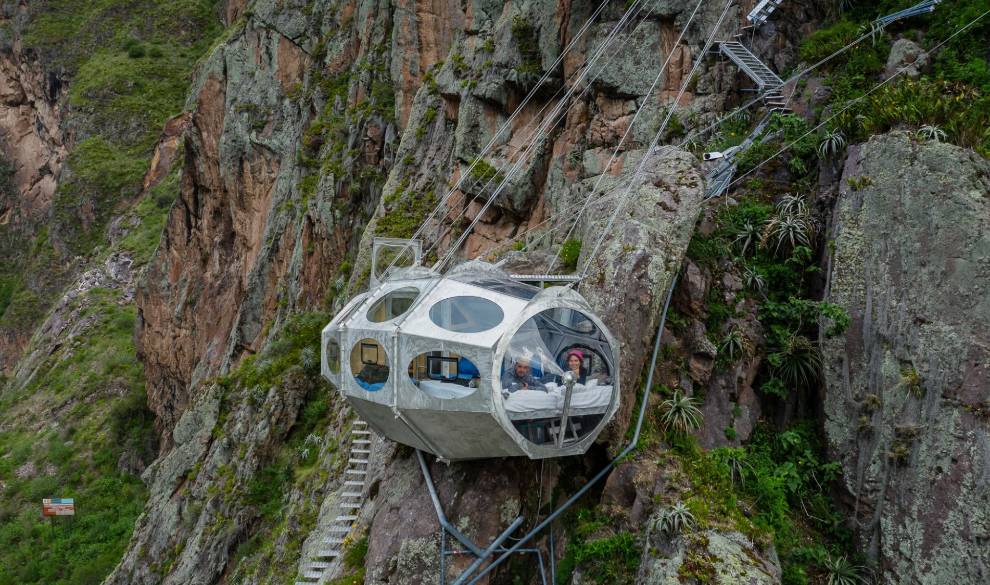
x,y
473,364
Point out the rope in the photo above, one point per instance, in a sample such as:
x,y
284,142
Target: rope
x,y
653,144
625,135
856,100
544,128
635,7
526,147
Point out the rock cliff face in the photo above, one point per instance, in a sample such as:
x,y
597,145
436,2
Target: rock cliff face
x,y
908,389
312,127
294,133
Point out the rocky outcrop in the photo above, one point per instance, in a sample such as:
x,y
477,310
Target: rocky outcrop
x,y
908,388
246,242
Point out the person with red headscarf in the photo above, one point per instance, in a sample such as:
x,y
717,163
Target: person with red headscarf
x,y
574,363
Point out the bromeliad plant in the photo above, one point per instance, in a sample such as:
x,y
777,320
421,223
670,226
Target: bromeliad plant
x,y
833,142
790,226
673,519
932,132
680,413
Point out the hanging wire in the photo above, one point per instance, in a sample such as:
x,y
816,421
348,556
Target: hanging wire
x,y
856,100
533,138
506,126
628,132
650,151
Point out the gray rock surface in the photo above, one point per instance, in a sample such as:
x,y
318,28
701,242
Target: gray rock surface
x,y
908,388
908,55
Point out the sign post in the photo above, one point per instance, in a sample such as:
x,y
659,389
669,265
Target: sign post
x,y
52,507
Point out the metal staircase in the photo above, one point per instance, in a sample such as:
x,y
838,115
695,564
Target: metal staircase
x,y
351,500
762,75
762,11
719,178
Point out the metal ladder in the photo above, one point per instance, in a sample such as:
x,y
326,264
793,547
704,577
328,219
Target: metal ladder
x,y
762,11
351,500
764,77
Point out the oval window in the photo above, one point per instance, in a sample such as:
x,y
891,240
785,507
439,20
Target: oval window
x,y
557,384
369,364
393,304
444,374
333,356
466,314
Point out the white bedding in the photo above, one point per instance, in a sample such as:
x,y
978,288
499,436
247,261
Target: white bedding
x,y
438,389
590,399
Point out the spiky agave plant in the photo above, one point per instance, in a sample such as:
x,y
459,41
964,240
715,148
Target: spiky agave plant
x,y
732,345
833,141
680,413
786,230
798,361
790,226
673,519
754,280
841,571
932,132
748,235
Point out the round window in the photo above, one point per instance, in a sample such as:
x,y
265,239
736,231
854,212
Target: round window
x,y
444,374
333,356
369,364
466,314
557,384
393,304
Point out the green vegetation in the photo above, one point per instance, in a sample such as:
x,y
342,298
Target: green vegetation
x,y
78,458
783,479
570,253
954,95
605,556
291,358
528,44
680,414
129,64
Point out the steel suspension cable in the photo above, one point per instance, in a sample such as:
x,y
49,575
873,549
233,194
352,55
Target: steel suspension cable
x,y
628,132
505,126
571,100
533,141
849,104
634,180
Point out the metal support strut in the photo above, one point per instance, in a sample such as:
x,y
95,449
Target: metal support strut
x,y
496,546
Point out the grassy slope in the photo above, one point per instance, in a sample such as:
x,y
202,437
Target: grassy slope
x,y
129,64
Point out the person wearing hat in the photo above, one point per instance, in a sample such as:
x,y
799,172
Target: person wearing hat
x,y
575,363
520,377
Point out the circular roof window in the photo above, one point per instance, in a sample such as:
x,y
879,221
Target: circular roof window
x,y
393,304
466,314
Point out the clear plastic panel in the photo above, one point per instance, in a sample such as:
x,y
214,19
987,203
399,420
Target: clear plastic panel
x,y
557,380
393,304
369,364
444,374
466,314
333,355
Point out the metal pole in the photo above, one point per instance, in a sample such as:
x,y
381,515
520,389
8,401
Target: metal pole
x,y
567,407
441,517
611,464
443,556
491,549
